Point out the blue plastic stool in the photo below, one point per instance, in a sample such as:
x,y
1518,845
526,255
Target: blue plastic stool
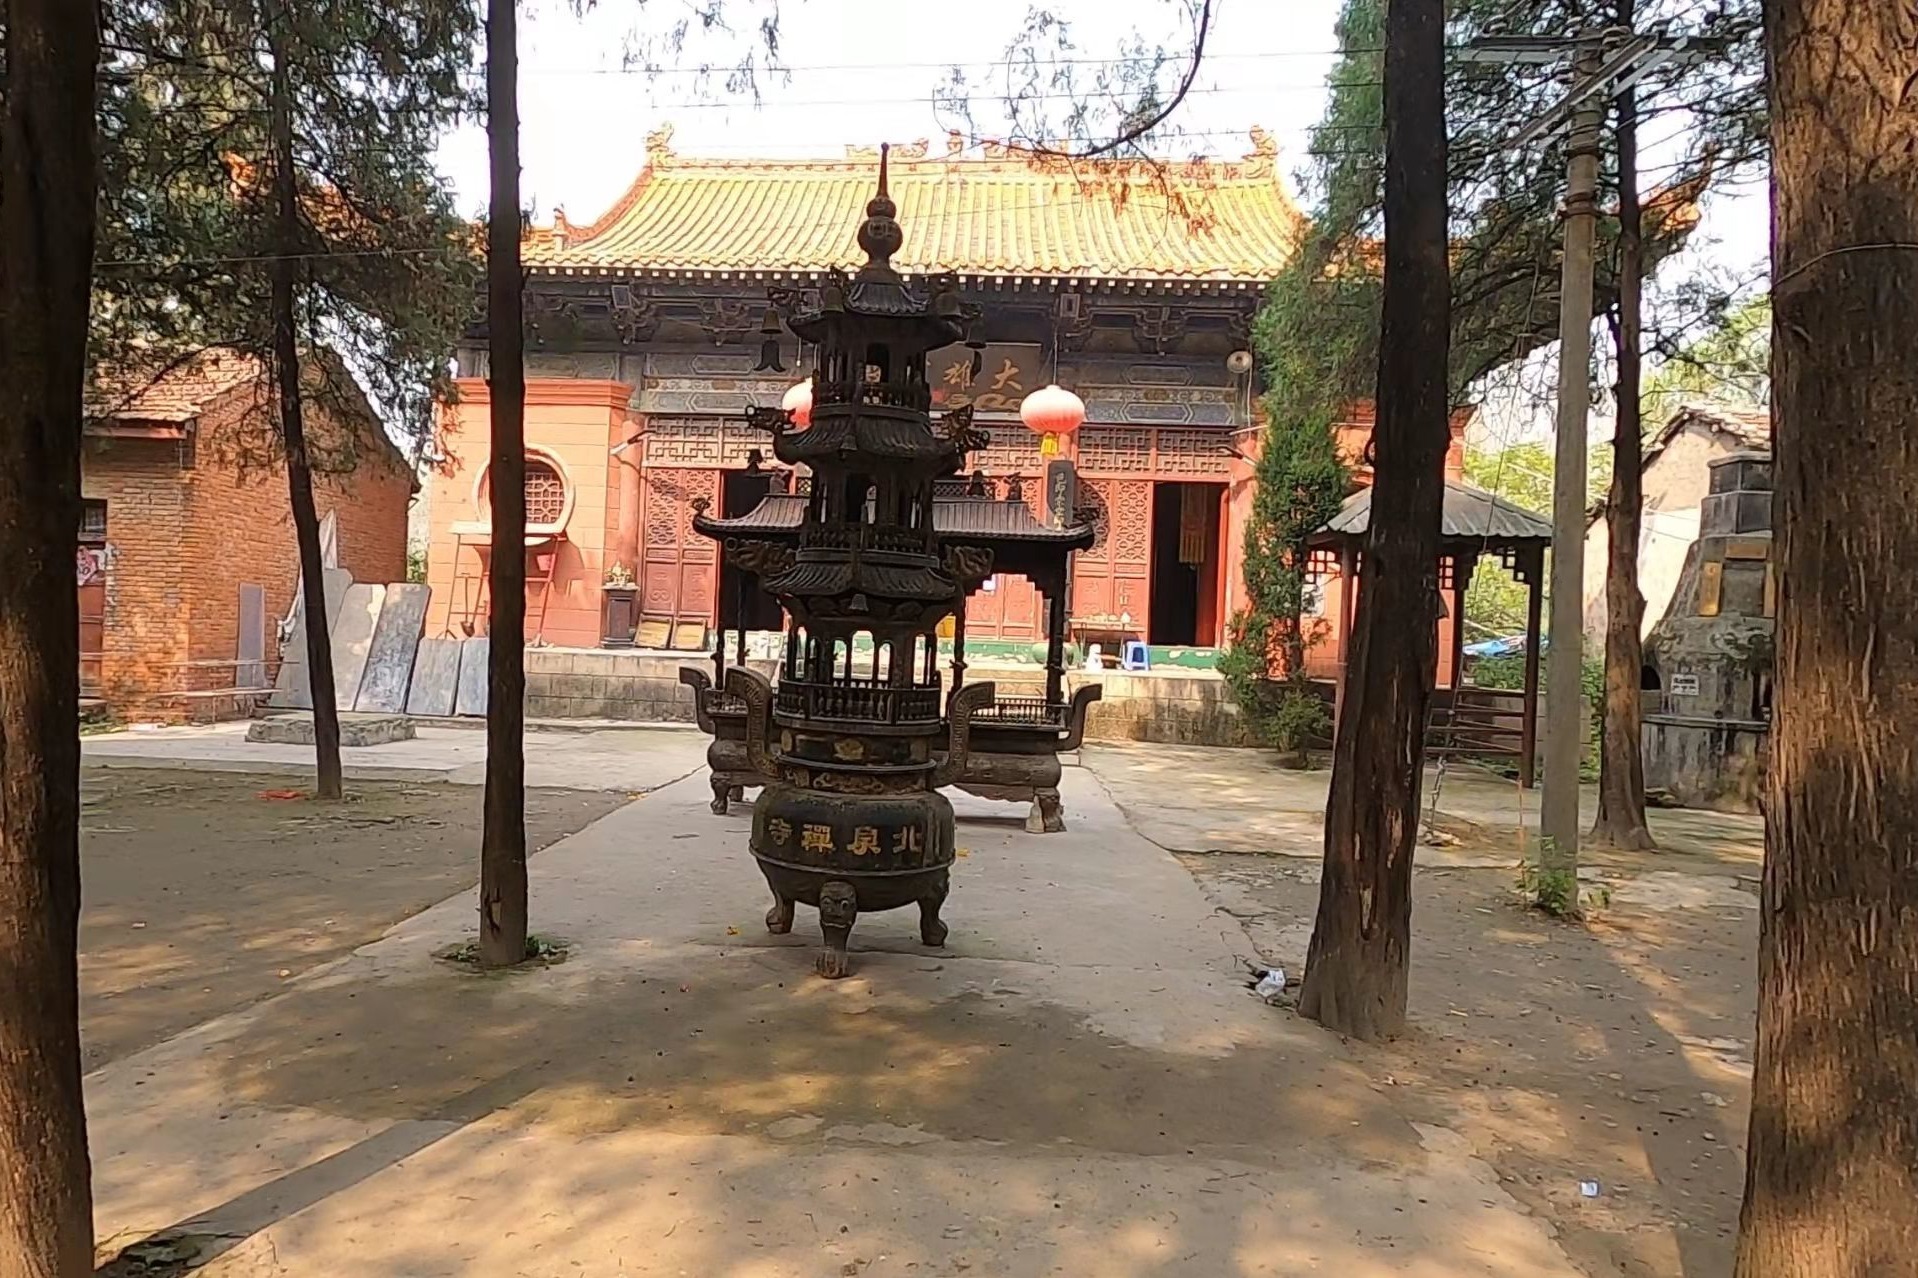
x,y
1135,656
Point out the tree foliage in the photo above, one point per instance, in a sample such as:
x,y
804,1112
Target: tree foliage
x,y
1299,482
1504,200
1521,473
1124,106
1730,363
188,235
273,195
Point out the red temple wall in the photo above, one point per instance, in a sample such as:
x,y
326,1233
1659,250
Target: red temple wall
x,y
577,422
573,424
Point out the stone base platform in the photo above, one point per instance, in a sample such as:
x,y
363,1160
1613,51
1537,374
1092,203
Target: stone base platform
x,y
1172,706
355,729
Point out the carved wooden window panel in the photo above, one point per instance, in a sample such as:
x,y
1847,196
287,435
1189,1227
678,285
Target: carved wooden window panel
x,y
1013,450
545,493
1191,452
1093,510
1132,520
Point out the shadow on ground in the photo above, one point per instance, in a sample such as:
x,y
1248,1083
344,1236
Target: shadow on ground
x,y
1199,799
200,895
1614,1051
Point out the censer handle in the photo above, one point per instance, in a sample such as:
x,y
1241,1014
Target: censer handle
x,y
1076,716
972,697
698,681
756,691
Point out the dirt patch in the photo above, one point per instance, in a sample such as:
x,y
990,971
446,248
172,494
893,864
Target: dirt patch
x,y
1616,1051
201,896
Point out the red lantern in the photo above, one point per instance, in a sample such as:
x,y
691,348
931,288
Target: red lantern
x,y
1050,412
798,403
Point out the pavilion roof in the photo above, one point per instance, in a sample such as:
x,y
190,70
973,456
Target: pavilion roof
x,y
1008,212
989,521
1470,514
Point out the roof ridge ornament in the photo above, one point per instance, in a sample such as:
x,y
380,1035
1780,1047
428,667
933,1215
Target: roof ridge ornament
x,y
880,234
659,146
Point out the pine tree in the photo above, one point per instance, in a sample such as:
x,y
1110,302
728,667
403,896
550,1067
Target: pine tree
x,y
1356,968
47,150
1832,1161
272,193
1621,781
503,834
1299,483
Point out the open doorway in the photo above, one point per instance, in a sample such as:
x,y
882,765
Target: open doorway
x,y
740,491
1186,564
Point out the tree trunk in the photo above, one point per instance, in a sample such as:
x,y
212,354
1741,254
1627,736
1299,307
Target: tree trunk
x,y
46,259
287,242
1832,1170
1621,777
503,843
1356,966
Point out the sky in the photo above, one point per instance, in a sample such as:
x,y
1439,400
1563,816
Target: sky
x,y
864,72
860,72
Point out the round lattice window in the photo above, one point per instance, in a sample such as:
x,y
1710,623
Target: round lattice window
x,y
545,493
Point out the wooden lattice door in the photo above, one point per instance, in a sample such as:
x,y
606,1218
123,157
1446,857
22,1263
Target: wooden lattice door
x,y
679,569
1112,579
90,567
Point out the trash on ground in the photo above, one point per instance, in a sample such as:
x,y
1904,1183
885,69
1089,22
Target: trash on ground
x,y
1588,1188
1270,985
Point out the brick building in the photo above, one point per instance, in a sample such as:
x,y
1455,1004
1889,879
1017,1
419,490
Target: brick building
x,y
187,555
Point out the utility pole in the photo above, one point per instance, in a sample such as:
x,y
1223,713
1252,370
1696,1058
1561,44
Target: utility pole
x,y
1565,659
1604,64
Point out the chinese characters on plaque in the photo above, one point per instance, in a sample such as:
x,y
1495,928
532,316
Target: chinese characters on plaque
x,y
1007,370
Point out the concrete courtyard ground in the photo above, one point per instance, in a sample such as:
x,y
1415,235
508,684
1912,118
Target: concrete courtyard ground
x,y
1078,1083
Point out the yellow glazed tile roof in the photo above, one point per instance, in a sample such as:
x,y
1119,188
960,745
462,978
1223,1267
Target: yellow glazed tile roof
x,y
1007,212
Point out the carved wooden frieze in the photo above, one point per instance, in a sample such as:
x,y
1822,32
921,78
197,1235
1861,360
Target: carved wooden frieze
x,y
700,442
718,382
1011,450
1129,450
1161,405
588,365
635,316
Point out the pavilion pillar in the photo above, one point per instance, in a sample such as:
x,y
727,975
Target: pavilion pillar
x,y
1056,643
1461,579
958,645
1348,588
1528,730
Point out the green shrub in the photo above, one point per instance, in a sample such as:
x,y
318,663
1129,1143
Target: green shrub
x,y
1297,719
1553,891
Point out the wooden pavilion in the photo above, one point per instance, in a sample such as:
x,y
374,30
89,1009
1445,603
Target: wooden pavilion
x,y
1474,524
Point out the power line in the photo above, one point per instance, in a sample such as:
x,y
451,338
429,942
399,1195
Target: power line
x,y
771,103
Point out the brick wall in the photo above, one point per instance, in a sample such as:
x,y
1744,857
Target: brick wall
x,y
241,527
183,538
142,482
